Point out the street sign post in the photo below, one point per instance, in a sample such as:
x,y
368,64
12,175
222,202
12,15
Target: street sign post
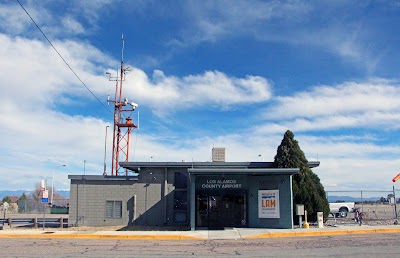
x,y
45,196
5,207
45,200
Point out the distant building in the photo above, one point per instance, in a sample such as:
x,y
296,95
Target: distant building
x,y
191,195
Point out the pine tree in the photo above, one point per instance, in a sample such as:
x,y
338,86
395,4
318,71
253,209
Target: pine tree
x,y
6,199
307,188
23,197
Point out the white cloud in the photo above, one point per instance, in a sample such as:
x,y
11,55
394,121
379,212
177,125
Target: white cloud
x,y
214,20
357,174
349,146
295,22
13,19
370,104
346,98
40,77
72,25
37,136
304,23
213,88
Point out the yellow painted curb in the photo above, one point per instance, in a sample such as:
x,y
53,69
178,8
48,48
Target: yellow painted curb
x,y
325,233
270,235
305,233
184,237
361,231
388,230
266,235
94,236
334,232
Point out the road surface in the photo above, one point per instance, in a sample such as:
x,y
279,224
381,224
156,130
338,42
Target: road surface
x,y
368,245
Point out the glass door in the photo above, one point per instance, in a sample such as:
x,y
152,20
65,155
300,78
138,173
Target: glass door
x,y
208,208
201,210
234,210
216,211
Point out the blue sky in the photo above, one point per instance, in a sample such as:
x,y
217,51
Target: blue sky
x,y
233,74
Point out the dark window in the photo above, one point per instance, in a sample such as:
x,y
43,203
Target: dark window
x,y
180,197
114,209
180,180
180,200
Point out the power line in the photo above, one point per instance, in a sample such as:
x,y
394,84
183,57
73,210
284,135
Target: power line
x,y
51,44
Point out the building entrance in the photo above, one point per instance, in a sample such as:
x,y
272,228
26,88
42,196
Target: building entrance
x,y
219,210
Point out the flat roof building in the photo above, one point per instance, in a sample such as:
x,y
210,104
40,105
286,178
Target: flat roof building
x,y
191,195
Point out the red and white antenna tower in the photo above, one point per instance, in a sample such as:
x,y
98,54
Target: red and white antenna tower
x,y
122,122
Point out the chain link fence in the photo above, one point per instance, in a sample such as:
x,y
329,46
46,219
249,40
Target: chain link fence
x,y
59,206
377,207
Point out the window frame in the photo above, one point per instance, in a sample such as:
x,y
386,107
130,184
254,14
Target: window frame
x,y
184,191
114,213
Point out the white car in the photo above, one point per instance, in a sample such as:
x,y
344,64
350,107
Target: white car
x,y
341,209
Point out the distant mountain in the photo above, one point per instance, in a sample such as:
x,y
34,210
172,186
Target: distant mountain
x,y
64,193
13,193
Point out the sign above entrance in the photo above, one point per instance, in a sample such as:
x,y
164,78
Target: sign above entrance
x,y
221,184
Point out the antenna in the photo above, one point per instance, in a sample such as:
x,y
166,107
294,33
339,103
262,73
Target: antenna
x,y
122,123
122,54
138,120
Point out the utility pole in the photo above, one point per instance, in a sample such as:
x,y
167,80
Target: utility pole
x,y
105,153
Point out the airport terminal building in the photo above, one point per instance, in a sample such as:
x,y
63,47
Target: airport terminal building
x,y
195,195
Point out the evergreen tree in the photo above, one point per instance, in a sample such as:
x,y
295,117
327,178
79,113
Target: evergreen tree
x,y
23,197
6,199
307,188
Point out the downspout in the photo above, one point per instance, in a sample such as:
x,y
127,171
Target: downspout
x,y
165,194
291,200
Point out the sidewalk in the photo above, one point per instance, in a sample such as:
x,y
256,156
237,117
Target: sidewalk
x,y
231,233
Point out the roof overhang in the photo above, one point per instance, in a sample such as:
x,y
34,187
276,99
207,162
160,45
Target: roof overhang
x,y
103,178
247,171
136,166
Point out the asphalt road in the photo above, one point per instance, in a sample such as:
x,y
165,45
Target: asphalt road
x,y
369,245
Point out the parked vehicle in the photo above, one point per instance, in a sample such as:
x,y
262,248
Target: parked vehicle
x,y
341,209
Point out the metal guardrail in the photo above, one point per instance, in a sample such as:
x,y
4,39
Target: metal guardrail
x,y
36,222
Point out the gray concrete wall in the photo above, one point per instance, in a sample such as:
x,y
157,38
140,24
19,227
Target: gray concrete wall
x,y
148,201
278,182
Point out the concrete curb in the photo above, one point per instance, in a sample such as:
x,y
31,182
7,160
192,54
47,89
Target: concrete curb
x,y
193,236
102,236
325,233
